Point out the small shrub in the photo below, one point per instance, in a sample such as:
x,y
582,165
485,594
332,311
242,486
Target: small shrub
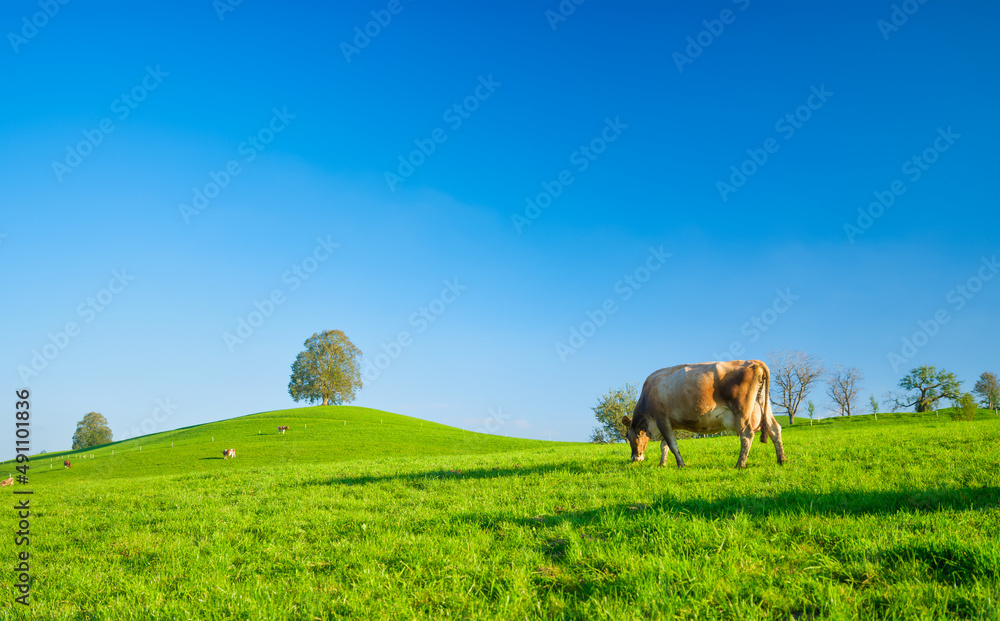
x,y
965,407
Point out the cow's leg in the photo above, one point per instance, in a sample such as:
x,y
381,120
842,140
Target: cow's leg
x,y
774,431
669,441
746,439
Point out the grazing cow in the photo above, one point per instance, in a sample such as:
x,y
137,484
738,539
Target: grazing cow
x,y
7,482
66,464
704,398
283,429
228,453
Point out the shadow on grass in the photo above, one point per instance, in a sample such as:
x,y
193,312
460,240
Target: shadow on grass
x,y
467,473
794,502
845,503
947,562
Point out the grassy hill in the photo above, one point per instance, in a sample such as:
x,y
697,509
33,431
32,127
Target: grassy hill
x,y
895,518
321,434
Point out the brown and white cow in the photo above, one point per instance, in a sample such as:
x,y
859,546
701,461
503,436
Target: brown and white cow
x,y
282,429
229,453
704,398
66,464
7,482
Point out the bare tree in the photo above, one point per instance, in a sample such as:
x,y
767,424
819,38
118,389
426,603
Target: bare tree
x,y
988,389
793,372
843,386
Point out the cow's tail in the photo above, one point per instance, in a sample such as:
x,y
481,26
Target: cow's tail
x,y
763,381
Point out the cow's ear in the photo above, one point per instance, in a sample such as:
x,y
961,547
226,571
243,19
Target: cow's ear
x,y
626,421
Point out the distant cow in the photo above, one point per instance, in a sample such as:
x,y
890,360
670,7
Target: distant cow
x,y
704,398
66,464
283,429
228,453
7,482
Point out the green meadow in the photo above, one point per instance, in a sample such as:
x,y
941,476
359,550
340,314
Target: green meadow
x,y
362,514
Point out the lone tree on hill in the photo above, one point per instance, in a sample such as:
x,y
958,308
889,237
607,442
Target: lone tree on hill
x,y
927,386
843,386
793,372
610,408
327,370
92,430
988,389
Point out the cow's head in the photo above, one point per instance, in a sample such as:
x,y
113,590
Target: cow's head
x,y
637,439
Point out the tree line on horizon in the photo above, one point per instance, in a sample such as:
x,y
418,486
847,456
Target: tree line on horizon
x,y
328,370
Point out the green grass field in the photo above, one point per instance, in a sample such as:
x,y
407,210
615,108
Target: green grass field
x,y
385,517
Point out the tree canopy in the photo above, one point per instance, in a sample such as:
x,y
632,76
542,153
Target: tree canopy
x,y
92,430
327,370
926,386
988,389
610,408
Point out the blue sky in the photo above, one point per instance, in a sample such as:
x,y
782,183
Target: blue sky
x,y
699,170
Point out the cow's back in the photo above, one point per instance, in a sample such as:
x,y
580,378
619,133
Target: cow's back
x,y
694,397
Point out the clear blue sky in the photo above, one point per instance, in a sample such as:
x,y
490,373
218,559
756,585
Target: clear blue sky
x,y
118,116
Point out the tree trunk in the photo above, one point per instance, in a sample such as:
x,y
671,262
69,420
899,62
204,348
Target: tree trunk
x,y
325,400
791,418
